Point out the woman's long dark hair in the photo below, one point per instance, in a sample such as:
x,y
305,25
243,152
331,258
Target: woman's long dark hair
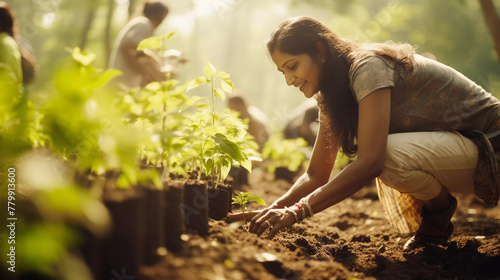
x,y
336,99
7,22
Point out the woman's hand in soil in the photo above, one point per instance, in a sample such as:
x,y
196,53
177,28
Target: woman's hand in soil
x,y
253,215
273,220
244,215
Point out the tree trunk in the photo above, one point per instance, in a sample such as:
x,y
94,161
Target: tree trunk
x,y
493,22
88,24
131,8
108,42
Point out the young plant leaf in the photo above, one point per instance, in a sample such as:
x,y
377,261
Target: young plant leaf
x,y
226,86
202,106
83,57
257,199
209,70
220,93
153,43
228,147
153,86
150,43
196,83
209,165
225,168
247,164
243,199
223,75
105,77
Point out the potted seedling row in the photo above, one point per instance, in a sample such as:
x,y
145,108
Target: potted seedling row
x,y
217,143
159,108
103,152
200,147
158,161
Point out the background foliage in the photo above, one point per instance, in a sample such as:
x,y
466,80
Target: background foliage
x,y
228,33
232,35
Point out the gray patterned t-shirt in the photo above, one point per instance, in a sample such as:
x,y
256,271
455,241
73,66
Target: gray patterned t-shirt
x,y
432,97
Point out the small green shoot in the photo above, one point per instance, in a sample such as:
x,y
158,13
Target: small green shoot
x,y
244,198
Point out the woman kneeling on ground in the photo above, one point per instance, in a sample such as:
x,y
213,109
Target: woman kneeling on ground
x,y
417,126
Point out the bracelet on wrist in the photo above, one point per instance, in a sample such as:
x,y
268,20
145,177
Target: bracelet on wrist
x,y
294,214
305,202
302,210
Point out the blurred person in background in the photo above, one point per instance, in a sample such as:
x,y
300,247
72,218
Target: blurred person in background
x,y
303,122
257,120
137,68
420,128
11,76
29,65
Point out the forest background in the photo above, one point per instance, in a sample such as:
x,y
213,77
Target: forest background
x,y
231,34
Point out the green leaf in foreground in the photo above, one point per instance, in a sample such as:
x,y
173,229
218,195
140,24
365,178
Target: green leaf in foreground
x,y
153,43
210,70
244,198
85,58
196,83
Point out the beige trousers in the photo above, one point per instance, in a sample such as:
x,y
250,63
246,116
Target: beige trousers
x,y
422,163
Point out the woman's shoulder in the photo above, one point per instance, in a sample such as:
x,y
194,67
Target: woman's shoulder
x,y
371,61
369,73
371,65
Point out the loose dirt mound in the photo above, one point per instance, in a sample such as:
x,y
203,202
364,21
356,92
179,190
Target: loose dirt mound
x,y
351,240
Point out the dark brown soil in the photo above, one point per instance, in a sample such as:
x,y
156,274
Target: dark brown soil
x,y
351,240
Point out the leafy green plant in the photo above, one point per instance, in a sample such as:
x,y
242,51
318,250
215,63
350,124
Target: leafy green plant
x,y
156,48
58,207
215,145
189,142
244,198
20,128
212,149
84,126
288,153
162,108
211,75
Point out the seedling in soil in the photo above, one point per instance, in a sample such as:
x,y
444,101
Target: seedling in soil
x,y
244,198
162,108
217,144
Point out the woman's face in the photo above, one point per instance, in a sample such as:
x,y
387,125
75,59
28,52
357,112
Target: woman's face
x,y
301,71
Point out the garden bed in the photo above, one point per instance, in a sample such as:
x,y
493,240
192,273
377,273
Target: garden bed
x,y
351,240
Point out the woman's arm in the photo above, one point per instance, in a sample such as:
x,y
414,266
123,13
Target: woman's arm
x,y
373,129
317,173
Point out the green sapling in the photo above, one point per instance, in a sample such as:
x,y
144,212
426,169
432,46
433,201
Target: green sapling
x,y
244,198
